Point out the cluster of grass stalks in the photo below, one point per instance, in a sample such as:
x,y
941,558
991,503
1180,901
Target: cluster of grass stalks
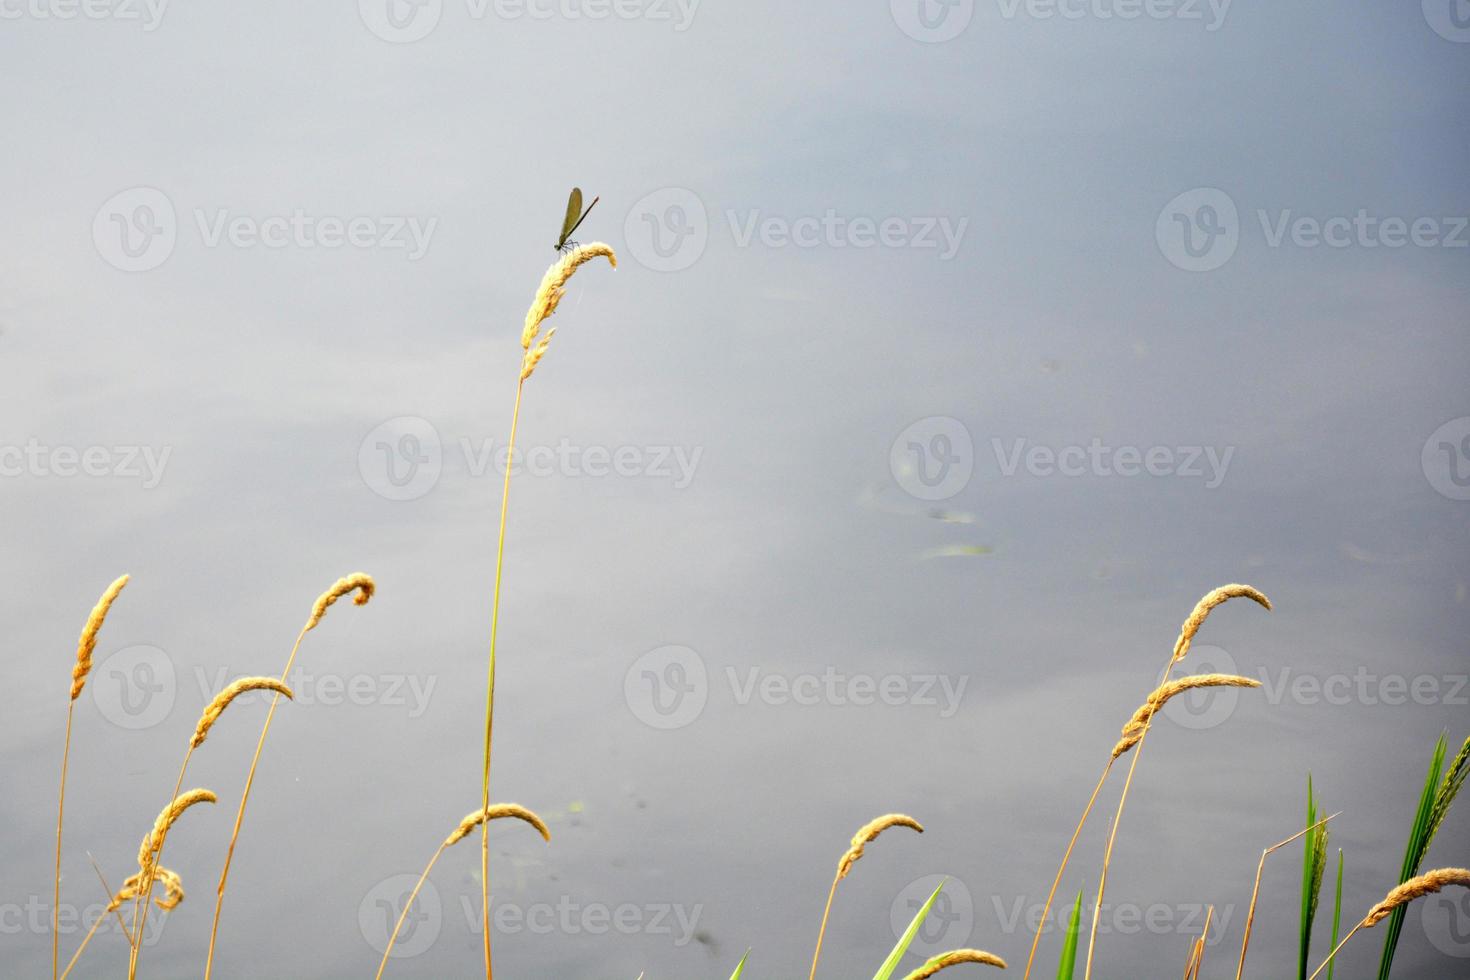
x,y
138,889
1440,786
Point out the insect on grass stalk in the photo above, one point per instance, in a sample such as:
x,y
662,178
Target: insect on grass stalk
x,y
548,297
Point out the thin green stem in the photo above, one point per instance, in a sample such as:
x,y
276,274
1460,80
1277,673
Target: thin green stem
x,y
490,680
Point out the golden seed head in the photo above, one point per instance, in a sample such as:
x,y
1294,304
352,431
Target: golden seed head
x,y
549,294
955,958
153,840
1202,610
495,812
533,356
1138,724
223,698
173,889
1431,881
361,582
867,833
87,645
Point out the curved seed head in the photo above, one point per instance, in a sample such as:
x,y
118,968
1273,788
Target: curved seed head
x,y
955,958
866,835
495,812
360,582
1202,611
223,698
87,645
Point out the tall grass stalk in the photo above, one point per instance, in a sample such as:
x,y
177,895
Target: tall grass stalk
x,y
548,297
86,646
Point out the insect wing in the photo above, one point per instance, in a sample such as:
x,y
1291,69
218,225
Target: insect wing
x,y
574,213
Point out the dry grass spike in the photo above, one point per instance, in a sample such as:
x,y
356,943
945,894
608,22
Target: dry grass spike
x,y
955,958
1202,610
868,833
87,645
551,290
1425,884
359,582
153,840
1133,731
223,698
497,811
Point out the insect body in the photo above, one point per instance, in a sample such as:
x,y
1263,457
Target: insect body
x,y
573,220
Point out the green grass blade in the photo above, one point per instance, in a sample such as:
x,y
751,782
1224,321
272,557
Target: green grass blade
x,y
1413,853
885,972
1336,914
1453,780
740,967
1069,944
1314,860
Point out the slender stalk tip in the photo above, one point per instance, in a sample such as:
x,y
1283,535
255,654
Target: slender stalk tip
x,y
869,832
954,958
496,812
359,582
1202,610
223,698
87,645
1425,884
